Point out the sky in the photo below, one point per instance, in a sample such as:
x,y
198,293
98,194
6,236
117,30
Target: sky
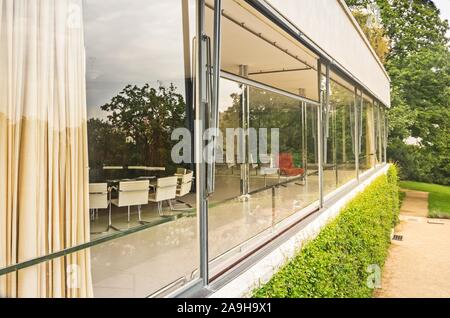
x,y
131,42
444,7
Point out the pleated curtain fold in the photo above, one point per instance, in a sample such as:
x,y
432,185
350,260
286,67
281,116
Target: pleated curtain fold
x,y
43,147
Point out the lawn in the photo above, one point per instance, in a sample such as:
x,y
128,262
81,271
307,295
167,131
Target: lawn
x,y
438,201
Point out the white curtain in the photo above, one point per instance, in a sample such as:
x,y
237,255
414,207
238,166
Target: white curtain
x,y
43,147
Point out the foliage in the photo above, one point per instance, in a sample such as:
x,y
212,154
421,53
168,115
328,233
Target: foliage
x,y
335,263
419,66
438,200
375,34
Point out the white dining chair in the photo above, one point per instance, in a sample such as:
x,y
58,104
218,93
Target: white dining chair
x,y
181,171
132,193
98,198
268,167
164,190
183,188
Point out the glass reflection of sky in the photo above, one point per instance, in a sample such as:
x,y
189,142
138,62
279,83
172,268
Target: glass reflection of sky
x,y
131,42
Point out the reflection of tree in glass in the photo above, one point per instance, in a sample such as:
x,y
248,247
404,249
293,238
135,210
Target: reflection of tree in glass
x,y
138,127
342,101
269,110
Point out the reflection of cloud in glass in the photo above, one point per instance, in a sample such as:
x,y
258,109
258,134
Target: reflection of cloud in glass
x,y
131,42
227,88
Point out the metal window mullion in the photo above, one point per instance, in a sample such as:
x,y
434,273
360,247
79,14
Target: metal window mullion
x,y
327,124
200,112
216,60
244,141
360,123
356,134
320,133
386,135
304,140
380,135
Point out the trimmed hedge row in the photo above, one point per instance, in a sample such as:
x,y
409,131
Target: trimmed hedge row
x,y
334,265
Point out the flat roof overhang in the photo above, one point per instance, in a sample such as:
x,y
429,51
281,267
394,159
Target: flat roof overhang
x,y
278,54
342,44
271,55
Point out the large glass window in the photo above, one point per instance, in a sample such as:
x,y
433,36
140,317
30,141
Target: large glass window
x,y
367,151
138,92
330,171
283,115
268,95
342,100
234,216
275,175
339,134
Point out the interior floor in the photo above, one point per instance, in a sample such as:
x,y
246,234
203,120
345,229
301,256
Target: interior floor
x,y
141,263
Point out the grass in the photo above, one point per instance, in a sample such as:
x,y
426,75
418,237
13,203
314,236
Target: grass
x,y
438,200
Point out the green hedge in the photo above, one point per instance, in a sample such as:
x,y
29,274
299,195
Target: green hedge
x,y
335,263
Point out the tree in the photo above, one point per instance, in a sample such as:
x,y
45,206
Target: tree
x,y
418,64
145,118
374,32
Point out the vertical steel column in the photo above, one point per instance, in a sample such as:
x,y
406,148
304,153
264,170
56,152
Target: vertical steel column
x,y
320,131
215,91
360,124
304,140
356,134
380,136
201,97
245,119
188,74
386,135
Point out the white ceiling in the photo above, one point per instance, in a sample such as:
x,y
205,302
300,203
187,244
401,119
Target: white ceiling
x,y
240,46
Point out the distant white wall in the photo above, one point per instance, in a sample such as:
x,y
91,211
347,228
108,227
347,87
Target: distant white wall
x,y
329,24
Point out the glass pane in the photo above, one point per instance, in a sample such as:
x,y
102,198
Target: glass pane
x,y
285,167
330,172
343,102
138,94
234,216
228,166
274,177
367,155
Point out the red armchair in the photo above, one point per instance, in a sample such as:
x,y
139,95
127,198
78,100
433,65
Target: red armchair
x,y
286,164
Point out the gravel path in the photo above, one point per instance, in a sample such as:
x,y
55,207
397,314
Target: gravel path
x,y
419,265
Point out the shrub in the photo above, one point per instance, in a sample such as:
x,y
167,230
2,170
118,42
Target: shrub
x,y
335,263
